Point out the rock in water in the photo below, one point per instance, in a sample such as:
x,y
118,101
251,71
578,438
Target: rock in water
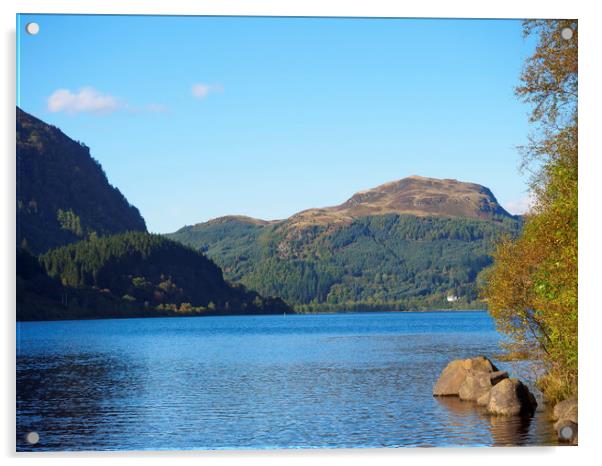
x,y
567,431
478,384
567,416
510,397
480,364
566,409
450,379
483,400
454,375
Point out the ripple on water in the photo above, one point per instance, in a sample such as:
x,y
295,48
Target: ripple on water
x,y
352,380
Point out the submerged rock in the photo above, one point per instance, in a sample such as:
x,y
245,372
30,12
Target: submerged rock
x,y
455,373
478,384
510,397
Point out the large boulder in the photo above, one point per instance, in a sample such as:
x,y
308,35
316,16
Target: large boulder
x,y
566,409
510,397
483,400
478,384
455,373
566,413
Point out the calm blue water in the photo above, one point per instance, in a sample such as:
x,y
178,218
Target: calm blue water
x,y
305,381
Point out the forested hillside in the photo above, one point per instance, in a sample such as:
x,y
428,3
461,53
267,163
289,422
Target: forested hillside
x,y
377,262
131,274
63,194
40,297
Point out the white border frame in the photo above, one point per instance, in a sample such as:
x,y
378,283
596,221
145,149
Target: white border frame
x,y
589,200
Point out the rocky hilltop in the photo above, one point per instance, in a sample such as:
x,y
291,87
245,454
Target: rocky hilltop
x,y
414,195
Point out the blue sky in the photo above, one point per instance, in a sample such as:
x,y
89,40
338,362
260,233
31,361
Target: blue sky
x,y
197,117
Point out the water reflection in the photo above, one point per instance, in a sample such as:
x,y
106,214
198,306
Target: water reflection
x,y
510,430
504,430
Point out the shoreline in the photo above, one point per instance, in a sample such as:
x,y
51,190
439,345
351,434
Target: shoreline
x,y
292,314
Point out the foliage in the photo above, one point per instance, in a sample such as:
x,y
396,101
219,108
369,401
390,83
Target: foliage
x,y
549,78
387,262
532,286
40,297
134,274
69,221
62,193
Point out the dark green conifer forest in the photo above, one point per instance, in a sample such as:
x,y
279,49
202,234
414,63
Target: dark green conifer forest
x,y
387,262
130,274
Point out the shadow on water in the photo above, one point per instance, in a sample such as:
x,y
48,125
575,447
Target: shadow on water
x,y
505,430
63,398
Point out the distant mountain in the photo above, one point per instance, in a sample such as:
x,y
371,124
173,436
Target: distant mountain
x,y
406,244
63,194
126,275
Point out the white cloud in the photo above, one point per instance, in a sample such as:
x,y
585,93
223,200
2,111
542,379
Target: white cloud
x,y
521,206
86,100
89,100
200,90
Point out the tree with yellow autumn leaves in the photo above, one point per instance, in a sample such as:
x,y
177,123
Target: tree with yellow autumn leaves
x,y
531,289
